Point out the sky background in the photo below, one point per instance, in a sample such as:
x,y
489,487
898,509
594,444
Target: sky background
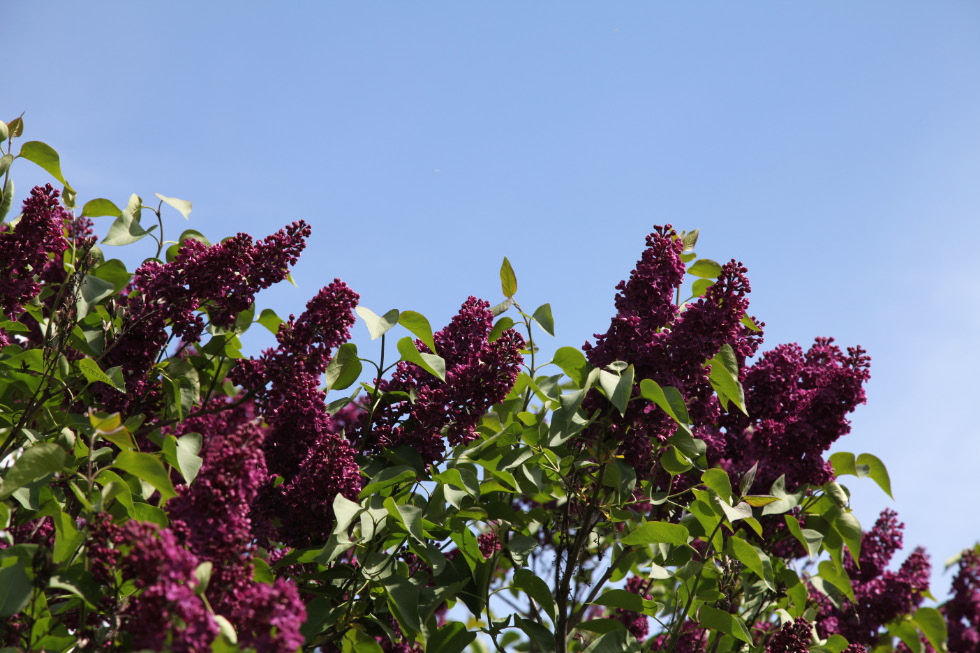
x,y
833,147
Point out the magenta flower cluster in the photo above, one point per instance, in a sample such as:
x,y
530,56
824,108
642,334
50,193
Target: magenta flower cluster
x,y
479,374
303,447
880,594
222,278
26,248
962,611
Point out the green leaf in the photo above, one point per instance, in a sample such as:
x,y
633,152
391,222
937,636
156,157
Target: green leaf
x,y
270,320
724,377
877,472
705,268
668,399
843,463
226,629
716,619
403,600
356,641
389,477
92,373
4,132
36,462
849,528
451,638
344,368
7,199
836,577
508,281
188,448
700,287
749,323
67,538
626,600
932,624
377,326
44,155
538,590
114,271
615,641
656,532
431,363
690,239
183,206
100,207
572,362
126,229
543,317
754,559
15,589
408,516
92,291
717,480
147,468
521,546
617,387
543,638
501,325
809,538
16,126
419,326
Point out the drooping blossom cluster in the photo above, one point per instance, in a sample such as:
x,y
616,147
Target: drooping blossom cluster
x,y
962,611
489,544
168,614
479,374
26,248
303,446
668,344
798,404
222,278
635,622
880,594
793,637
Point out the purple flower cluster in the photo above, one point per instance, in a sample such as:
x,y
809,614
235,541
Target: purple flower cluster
x,y
479,374
26,248
489,544
962,611
793,637
798,405
880,594
303,446
222,278
668,344
635,622
168,614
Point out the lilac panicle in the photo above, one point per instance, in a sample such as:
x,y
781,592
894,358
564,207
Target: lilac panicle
x,y
26,248
223,278
880,594
962,611
479,374
793,637
303,447
635,622
798,404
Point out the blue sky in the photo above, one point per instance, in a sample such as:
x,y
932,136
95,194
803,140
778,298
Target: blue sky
x,y
833,147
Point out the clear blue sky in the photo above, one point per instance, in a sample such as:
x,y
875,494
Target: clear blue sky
x,y
833,146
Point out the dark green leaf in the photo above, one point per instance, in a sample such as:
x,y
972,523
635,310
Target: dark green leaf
x,y
809,538
377,325
388,477
508,281
724,377
538,590
754,559
617,387
36,462
100,207
502,325
849,528
543,317
15,589
7,200
451,638
188,460
419,326
148,468
615,641
43,155
403,600
717,480
520,547
125,229
656,532
344,368
114,271
356,641
668,399
729,624
92,291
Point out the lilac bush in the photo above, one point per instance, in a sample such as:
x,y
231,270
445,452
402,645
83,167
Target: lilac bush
x,y
665,488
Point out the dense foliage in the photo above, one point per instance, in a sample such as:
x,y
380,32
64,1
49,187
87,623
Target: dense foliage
x,y
664,488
